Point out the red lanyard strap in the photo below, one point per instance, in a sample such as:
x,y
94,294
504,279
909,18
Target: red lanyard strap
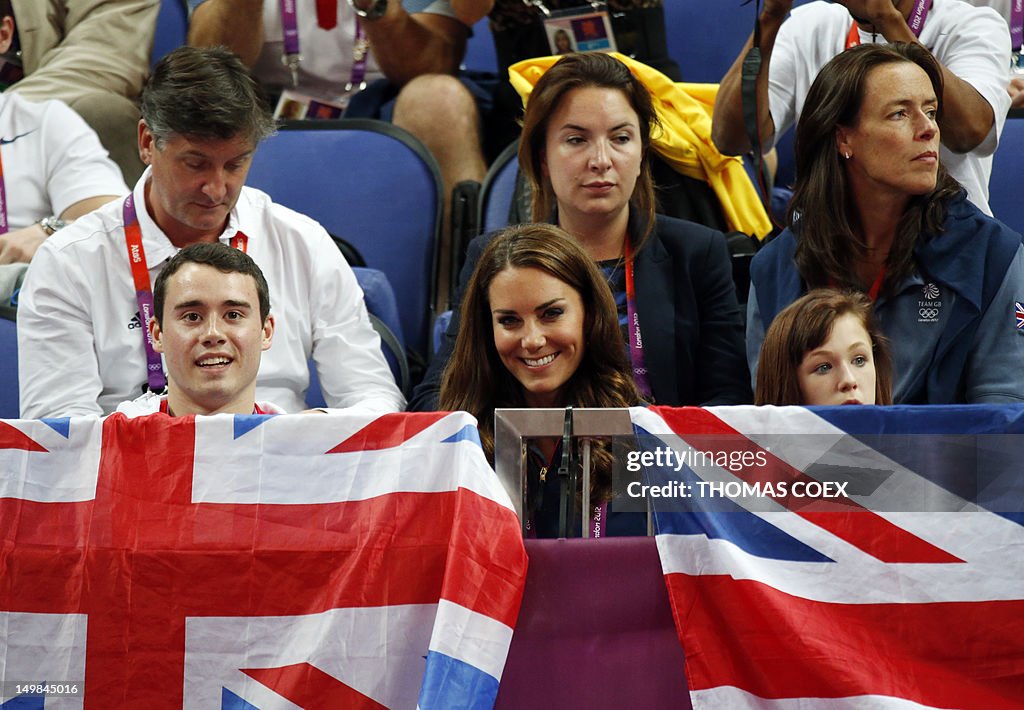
x,y
143,293
915,22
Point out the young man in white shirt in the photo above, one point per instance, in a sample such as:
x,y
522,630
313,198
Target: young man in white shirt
x,y
86,300
211,323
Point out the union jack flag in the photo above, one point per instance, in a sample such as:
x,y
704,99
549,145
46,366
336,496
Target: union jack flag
x,y
240,562
786,603
1018,308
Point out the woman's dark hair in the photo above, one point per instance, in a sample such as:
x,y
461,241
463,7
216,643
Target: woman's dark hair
x,y
475,379
577,71
802,327
822,211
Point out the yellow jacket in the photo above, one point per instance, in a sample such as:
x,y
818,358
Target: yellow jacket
x,y
684,140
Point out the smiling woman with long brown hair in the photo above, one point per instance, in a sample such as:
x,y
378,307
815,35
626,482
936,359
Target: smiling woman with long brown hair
x,y
539,329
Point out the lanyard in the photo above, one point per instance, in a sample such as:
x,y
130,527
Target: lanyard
x,y
915,22
3,201
144,290
876,287
598,516
290,29
327,19
1017,25
539,4
636,343
598,520
360,50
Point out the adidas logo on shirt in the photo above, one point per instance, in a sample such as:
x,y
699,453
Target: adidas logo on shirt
x,y
135,322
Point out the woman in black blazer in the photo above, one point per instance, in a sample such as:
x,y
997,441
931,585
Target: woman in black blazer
x,y
586,136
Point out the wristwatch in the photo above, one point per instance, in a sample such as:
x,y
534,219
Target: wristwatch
x,y
52,224
374,12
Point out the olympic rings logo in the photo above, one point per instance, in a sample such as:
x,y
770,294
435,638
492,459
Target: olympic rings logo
x,y
928,313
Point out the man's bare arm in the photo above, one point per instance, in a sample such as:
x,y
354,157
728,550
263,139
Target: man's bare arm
x,y
407,46
236,24
728,129
470,11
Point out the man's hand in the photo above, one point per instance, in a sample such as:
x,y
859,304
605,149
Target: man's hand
x,y
21,244
236,24
1016,91
728,125
874,12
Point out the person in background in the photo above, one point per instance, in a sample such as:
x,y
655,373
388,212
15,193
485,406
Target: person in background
x,y
539,329
91,54
87,291
945,278
586,139
415,45
54,169
1016,25
825,349
969,44
519,33
211,322
563,44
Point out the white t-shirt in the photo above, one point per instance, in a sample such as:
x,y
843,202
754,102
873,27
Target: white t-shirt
x,y
327,55
1003,7
80,338
972,42
51,160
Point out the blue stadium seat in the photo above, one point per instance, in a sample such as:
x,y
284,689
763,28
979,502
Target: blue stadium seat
x,y
383,309
1004,196
480,52
372,184
440,327
499,186
9,407
785,176
171,29
705,37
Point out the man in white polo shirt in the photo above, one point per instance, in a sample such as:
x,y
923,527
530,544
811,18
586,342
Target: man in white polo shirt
x,y
82,338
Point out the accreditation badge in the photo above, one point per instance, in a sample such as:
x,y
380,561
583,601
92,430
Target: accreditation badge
x,y
580,29
294,106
